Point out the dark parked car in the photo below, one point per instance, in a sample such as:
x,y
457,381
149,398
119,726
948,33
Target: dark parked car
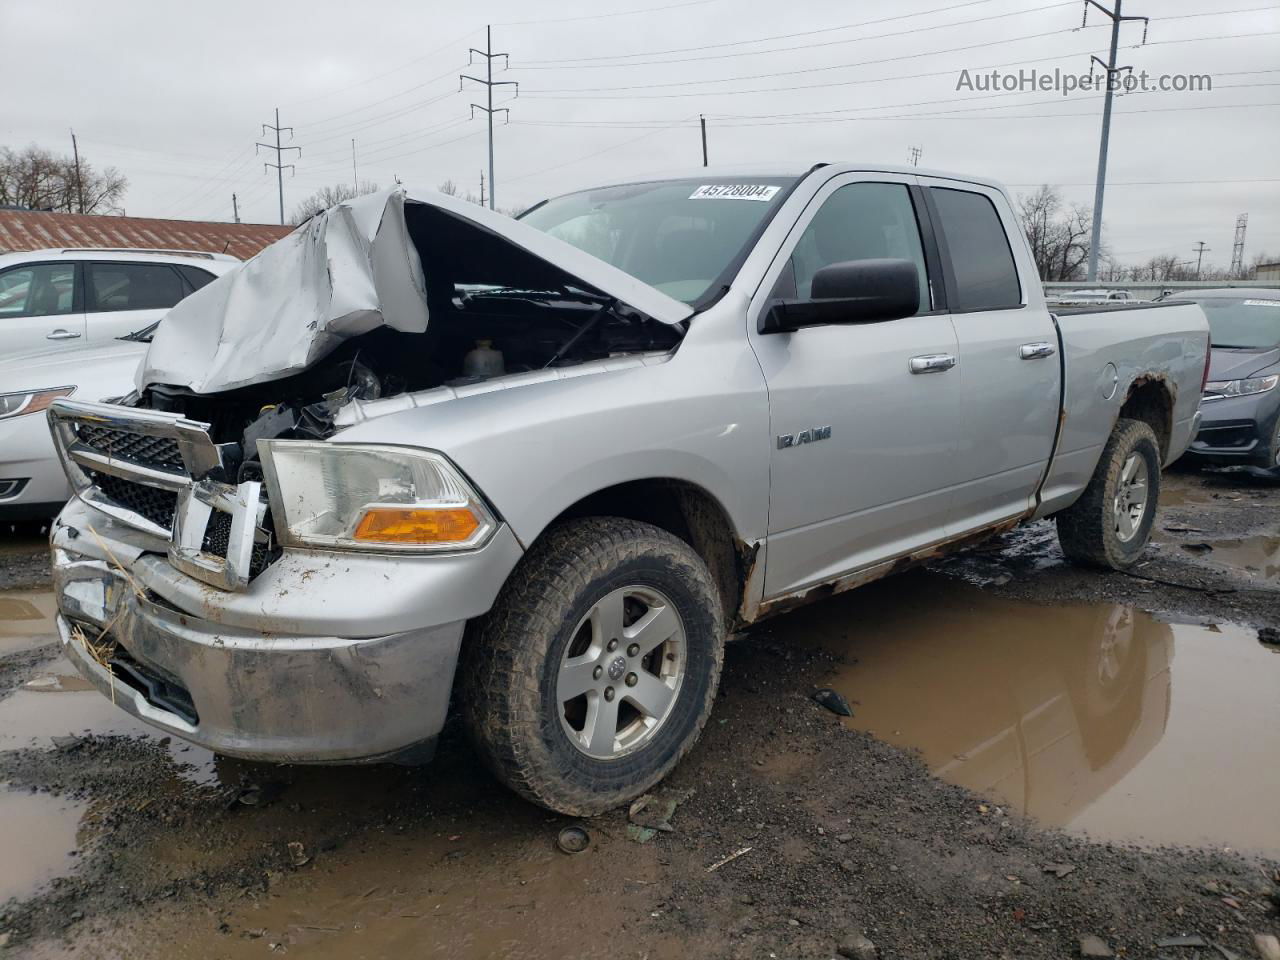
x,y
1241,406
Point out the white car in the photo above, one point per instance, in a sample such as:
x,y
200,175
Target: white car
x,y
42,297
32,483
87,296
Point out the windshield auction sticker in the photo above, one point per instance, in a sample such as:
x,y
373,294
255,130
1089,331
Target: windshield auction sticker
x,y
735,191
1262,303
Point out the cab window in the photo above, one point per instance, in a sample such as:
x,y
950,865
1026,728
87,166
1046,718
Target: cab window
x,y
861,221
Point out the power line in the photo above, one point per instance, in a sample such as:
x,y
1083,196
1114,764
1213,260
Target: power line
x,y
280,151
603,16
738,43
386,73
811,46
489,83
535,93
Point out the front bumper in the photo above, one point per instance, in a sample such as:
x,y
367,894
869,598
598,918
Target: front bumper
x,y
32,484
1240,430
308,665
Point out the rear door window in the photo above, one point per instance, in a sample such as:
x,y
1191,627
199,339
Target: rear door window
x,y
133,286
981,258
195,277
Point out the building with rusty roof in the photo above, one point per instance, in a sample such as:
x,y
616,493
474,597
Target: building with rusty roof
x,y
40,230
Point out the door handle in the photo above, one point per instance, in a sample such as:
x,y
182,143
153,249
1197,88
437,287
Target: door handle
x,y
61,334
932,363
1036,351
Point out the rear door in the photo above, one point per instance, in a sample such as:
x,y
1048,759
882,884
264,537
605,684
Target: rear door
x,y
1009,365
124,296
862,448
40,307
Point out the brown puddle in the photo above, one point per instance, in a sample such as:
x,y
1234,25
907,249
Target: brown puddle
x,y
31,717
1258,556
1100,719
26,620
37,840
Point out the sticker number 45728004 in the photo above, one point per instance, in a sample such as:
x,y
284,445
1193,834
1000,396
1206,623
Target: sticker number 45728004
x,y
735,191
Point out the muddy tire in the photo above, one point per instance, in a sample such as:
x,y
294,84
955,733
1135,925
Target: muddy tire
x,y
1110,524
594,673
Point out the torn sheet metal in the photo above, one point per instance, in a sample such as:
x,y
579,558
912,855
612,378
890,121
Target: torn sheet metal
x,y
341,274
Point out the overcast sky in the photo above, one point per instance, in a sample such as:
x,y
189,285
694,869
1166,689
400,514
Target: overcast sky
x,y
173,94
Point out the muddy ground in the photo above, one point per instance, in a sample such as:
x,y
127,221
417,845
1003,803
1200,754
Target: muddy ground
x,y
1136,718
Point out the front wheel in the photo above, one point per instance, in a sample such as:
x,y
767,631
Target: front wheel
x,y
595,671
1110,524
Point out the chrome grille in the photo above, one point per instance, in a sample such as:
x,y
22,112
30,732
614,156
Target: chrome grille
x,y
161,452
158,472
153,503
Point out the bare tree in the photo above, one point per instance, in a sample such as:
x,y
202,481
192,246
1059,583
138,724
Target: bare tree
x,y
39,179
1058,233
327,197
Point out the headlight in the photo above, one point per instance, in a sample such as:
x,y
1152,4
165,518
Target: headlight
x,y
1240,388
351,496
20,404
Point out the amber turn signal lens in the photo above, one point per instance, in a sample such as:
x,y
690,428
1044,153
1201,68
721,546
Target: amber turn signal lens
x,y
416,525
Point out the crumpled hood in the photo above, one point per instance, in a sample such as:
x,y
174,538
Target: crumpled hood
x,y
1238,364
341,274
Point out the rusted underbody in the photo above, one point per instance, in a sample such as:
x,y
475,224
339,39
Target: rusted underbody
x,y
751,611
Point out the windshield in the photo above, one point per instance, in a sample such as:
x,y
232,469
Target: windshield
x,y
1251,323
681,236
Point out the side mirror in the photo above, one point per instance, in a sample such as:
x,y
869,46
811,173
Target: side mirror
x,y
855,291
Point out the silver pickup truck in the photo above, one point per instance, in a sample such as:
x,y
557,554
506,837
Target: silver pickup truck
x,y
418,452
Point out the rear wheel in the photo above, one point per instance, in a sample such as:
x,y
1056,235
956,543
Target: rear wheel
x,y
1110,524
595,671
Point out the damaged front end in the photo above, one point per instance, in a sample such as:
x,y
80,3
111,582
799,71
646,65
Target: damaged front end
x,y
384,296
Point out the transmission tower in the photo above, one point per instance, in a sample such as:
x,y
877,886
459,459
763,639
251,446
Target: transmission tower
x,y
915,156
280,151
489,83
1237,249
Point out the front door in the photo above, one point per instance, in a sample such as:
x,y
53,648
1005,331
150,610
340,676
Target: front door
x,y
40,308
863,417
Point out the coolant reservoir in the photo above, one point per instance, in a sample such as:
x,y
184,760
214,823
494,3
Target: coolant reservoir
x,y
483,361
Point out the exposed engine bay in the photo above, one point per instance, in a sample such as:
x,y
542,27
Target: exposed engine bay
x,y
495,309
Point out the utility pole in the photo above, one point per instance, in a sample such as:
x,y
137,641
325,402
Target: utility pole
x,y
355,177
703,120
1200,249
1237,248
75,149
915,156
482,188
489,83
280,168
1095,241
235,208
